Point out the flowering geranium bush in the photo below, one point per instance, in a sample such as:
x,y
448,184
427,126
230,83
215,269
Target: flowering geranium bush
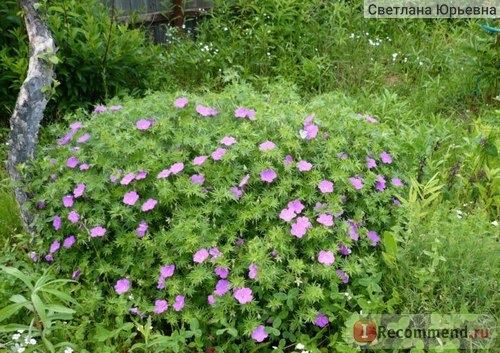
x,y
253,215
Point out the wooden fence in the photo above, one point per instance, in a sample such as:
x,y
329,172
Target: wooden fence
x,y
156,14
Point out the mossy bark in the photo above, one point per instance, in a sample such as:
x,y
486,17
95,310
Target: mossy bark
x,y
31,101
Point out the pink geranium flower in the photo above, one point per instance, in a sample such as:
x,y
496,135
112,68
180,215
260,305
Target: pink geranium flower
x,y
72,162
69,241
304,166
130,198
200,256
287,214
243,295
144,124
79,190
206,111
84,138
142,229
197,179
228,141
97,232
199,160
176,168
149,205
268,175
386,158
325,219
160,306
370,162
321,320
181,102
122,286
252,271
325,186
73,217
267,146
179,303
259,334
127,179
326,258
397,182
218,154
357,182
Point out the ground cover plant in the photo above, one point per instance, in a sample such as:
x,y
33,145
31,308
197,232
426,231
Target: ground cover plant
x,y
244,211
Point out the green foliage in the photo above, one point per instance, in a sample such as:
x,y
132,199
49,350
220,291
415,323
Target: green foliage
x,y
96,58
291,287
46,304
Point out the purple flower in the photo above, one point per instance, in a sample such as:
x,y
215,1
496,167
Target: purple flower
x,y
141,174
397,182
236,191
197,179
79,190
65,139
100,109
115,108
259,334
222,272
325,219
149,205
85,166
181,102
179,303
127,179
218,154
240,241
142,229
76,125
122,286
344,277
321,320
268,175
288,160
386,158
319,206
342,155
370,119
49,258
228,141
267,146
199,160
163,174
274,253
69,241
244,113
40,205
304,166
68,201
325,186
298,230
296,206
206,111
370,162
76,274
311,131
167,271
396,202
97,232
353,230
33,256
287,214
200,256
343,249
211,299
135,311
252,271
72,162
144,124
160,306
57,222
308,120
357,182
222,287
84,138
244,181
326,258
176,168
373,236
130,198
54,247
215,252
73,217
243,295
380,186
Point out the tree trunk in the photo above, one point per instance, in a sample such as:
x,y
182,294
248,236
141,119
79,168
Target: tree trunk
x,y
31,101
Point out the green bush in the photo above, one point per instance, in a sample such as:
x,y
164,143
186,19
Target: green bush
x,y
203,217
98,58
